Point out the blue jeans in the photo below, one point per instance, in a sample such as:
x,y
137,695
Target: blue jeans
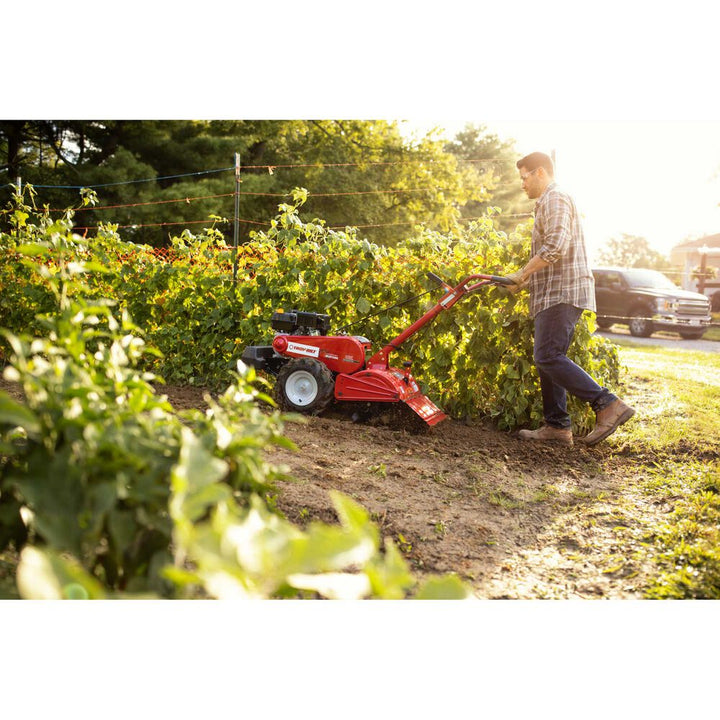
x,y
554,329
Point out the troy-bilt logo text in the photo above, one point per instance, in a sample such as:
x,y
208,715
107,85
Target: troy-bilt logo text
x,y
300,349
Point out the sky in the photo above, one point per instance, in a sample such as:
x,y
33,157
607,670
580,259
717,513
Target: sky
x,y
659,180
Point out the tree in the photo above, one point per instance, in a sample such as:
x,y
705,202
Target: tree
x,y
493,162
358,173
12,137
154,178
632,251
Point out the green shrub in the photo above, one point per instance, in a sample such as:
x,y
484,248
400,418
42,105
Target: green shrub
x,y
474,360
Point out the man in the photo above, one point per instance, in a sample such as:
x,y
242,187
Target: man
x,y
561,286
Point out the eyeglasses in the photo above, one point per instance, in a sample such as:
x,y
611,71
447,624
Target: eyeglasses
x,y
523,178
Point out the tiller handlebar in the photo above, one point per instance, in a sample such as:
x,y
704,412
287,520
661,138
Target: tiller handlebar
x,y
469,285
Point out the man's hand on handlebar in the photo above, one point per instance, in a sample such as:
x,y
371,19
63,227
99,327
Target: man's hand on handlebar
x,y
519,282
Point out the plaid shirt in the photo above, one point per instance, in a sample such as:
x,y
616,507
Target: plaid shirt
x,y
557,237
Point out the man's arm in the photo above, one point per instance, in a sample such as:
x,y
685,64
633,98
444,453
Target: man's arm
x,y
521,276
536,263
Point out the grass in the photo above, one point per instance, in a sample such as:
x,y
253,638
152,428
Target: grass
x,y
712,333
687,545
674,449
677,394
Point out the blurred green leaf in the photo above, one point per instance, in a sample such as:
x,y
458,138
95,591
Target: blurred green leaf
x,y
46,575
33,249
14,413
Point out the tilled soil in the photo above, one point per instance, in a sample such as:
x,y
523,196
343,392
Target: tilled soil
x,y
514,519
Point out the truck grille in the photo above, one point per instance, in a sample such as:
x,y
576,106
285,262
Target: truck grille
x,y
693,307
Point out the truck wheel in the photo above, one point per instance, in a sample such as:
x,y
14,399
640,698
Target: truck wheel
x,y
605,323
304,385
691,334
639,325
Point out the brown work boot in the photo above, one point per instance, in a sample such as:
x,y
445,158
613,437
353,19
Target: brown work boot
x,y
608,420
548,433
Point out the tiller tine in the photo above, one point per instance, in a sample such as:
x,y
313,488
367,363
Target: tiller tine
x,y
426,409
387,386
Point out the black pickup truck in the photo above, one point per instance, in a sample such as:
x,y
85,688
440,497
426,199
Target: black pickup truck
x,y
646,301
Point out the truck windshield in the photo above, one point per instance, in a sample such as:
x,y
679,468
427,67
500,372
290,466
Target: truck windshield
x,y
649,279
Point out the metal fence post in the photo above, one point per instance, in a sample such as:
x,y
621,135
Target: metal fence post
x,y
236,229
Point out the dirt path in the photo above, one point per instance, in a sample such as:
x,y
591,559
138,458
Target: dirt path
x,y
513,519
